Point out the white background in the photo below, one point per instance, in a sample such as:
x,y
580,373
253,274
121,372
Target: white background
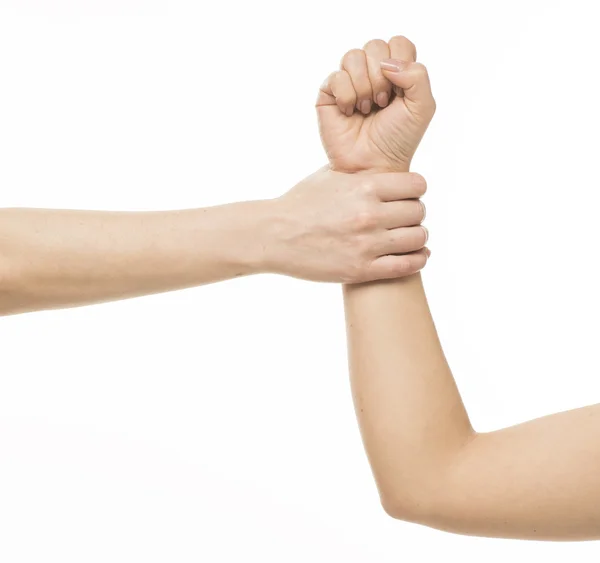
x,y
215,424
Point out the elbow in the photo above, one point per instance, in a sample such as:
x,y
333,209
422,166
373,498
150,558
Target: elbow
x,y
409,499
394,509
428,497
400,507
435,516
437,497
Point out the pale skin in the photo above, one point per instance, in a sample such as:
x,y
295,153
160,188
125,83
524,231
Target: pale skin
x,y
539,480
330,227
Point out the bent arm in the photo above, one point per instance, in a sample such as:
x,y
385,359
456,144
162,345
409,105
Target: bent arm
x,y
538,480
55,258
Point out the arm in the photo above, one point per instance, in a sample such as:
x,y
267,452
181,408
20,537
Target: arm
x,y
538,480
53,258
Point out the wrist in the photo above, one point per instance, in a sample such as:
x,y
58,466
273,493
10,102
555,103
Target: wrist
x,y
269,250
254,233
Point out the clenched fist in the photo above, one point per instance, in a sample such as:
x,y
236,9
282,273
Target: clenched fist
x,y
374,111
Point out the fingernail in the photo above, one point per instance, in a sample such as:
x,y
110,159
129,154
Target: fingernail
x,y
349,111
428,252
393,65
365,106
424,210
426,233
382,99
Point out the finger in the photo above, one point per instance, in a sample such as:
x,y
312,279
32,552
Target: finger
x,y
389,267
402,48
406,213
400,185
402,240
338,89
378,50
355,64
413,79
326,97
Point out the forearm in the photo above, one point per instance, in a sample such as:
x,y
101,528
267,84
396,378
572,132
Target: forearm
x,y
539,480
56,258
410,413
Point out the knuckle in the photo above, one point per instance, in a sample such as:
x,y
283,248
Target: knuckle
x,y
337,77
375,44
420,68
332,78
365,220
353,55
368,187
402,41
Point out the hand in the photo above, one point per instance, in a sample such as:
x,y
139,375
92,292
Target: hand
x,y
348,227
374,112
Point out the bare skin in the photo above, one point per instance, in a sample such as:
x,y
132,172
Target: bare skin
x,y
369,226
539,480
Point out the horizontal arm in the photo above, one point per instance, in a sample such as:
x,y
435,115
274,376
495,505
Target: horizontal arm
x,y
56,258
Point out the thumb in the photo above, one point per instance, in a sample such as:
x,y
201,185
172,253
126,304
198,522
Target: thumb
x,y
413,79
